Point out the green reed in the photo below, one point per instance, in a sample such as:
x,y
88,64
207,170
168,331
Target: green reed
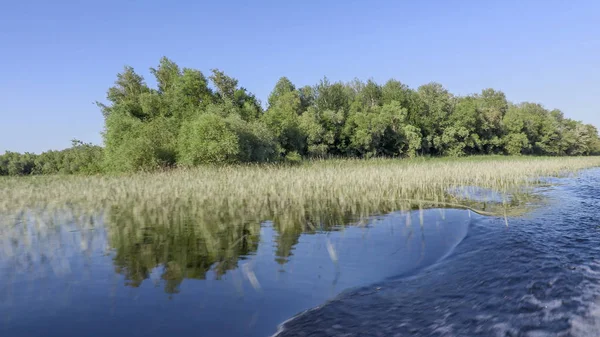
x,y
259,192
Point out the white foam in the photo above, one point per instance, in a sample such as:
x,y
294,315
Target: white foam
x,y
588,323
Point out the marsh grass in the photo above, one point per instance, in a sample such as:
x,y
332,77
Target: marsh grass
x,y
314,189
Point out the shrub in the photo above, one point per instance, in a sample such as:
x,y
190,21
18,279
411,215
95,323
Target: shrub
x,y
132,145
207,139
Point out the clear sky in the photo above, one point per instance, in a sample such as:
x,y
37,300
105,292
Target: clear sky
x,y
58,57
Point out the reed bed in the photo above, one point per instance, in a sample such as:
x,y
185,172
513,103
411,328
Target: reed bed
x,y
260,192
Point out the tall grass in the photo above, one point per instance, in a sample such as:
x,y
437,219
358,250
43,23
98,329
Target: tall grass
x,y
259,192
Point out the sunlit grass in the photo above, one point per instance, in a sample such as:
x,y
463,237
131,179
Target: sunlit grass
x,y
259,192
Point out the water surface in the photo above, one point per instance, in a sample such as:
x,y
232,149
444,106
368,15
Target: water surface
x,y
144,279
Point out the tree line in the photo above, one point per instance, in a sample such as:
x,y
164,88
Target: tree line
x,y
81,158
189,120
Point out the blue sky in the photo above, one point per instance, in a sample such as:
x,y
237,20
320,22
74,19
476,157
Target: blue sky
x,y
58,57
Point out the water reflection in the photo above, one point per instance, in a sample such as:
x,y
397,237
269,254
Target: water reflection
x,y
181,247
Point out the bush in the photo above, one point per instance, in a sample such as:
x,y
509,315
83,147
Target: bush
x,y
256,141
293,158
17,164
207,139
80,158
132,145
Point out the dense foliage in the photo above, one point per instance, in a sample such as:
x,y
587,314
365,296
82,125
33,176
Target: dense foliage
x,y
80,158
189,119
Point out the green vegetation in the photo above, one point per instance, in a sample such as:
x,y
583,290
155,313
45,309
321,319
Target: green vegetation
x,y
314,190
190,120
80,158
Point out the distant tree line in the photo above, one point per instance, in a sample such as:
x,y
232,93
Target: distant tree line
x,y
189,119
80,158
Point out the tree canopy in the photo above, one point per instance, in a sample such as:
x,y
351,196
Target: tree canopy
x,y
190,119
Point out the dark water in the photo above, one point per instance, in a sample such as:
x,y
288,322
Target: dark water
x,y
430,273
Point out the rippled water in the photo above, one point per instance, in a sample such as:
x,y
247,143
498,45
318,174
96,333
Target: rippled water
x,y
437,272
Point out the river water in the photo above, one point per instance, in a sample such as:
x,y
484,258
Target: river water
x,y
436,272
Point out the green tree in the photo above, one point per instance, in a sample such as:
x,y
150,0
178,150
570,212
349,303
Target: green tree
x,y
517,143
282,119
492,106
330,96
248,107
135,145
394,90
208,139
256,142
226,86
17,164
460,135
189,95
282,87
382,131
435,108
307,97
125,95
322,130
167,75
